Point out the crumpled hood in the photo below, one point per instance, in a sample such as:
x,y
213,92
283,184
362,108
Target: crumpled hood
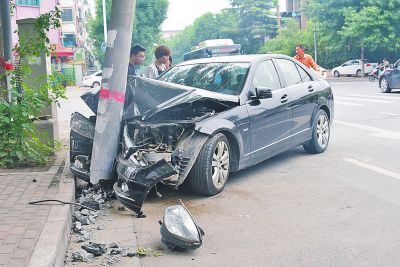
x,y
153,96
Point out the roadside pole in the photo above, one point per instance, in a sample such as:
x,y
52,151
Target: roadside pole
x,y
7,41
112,93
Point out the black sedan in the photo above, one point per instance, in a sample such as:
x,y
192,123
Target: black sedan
x,y
390,78
206,118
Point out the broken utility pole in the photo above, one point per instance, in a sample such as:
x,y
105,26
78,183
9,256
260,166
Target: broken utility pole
x,y
112,93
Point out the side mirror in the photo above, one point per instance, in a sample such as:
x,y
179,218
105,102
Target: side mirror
x,y
263,93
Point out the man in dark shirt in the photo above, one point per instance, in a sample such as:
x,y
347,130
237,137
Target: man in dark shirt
x,y
136,58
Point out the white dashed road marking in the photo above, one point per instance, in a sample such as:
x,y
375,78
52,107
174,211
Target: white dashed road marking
x,y
362,99
373,168
377,131
348,103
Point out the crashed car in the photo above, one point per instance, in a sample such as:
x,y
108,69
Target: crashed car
x,y
206,118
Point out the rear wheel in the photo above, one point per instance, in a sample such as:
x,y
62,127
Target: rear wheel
x,y
385,87
211,170
336,73
95,84
320,134
358,73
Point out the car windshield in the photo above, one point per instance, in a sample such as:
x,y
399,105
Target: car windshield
x,y
225,78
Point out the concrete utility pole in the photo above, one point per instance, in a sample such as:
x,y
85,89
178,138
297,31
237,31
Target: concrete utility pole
x,y
112,93
7,38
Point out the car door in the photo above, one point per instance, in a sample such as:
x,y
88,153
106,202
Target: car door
x,y
344,68
301,88
270,119
394,81
355,66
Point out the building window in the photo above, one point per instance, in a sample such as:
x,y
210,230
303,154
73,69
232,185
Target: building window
x,y
67,15
28,2
69,40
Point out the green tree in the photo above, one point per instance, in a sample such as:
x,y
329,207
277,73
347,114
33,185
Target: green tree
x,y
149,16
289,36
345,25
20,141
256,22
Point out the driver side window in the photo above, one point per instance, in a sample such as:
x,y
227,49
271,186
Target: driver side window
x,y
266,76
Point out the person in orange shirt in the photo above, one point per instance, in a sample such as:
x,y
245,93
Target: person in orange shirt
x,y
306,59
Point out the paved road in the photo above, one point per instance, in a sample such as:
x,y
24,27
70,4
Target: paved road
x,y
339,208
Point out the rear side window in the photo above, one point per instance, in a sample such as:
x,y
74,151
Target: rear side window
x,y
305,77
99,74
289,72
266,76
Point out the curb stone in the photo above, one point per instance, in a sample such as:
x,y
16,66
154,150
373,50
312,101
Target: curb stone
x,y
52,244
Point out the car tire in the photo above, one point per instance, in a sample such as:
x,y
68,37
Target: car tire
x,y
336,73
320,134
211,169
358,73
384,85
95,84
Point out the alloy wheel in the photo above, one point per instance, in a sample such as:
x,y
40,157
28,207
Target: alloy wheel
x,y
323,131
384,85
220,164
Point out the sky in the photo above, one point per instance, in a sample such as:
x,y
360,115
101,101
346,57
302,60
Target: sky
x,y
182,13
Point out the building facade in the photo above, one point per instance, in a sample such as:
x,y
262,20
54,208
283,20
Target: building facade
x,y
296,7
72,46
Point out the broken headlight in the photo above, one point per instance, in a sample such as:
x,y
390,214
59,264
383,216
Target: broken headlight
x,y
179,229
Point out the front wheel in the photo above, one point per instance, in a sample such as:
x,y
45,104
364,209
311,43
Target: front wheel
x,y
320,134
211,170
385,87
371,78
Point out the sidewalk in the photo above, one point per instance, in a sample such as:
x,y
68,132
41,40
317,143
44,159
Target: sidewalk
x,y
37,235
23,227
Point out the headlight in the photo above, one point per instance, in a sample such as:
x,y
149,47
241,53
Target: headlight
x,y
179,229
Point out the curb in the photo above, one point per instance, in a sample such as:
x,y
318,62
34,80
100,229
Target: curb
x,y
52,244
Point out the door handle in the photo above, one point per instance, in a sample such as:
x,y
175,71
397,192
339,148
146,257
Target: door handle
x,y
284,98
310,88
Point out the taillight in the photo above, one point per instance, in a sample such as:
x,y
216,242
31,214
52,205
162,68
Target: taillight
x,y
369,65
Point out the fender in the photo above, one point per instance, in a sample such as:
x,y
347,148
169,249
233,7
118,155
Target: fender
x,y
213,126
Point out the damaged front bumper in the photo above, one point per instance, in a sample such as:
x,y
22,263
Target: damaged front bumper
x,y
135,181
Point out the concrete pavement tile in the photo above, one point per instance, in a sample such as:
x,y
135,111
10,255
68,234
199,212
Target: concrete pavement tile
x,y
16,263
4,259
12,239
27,243
30,233
17,230
7,248
5,228
3,235
21,253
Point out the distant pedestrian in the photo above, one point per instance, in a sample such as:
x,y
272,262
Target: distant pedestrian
x,y
136,59
169,63
162,54
306,59
386,63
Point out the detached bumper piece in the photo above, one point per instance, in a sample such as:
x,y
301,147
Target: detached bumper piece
x,y
136,181
81,144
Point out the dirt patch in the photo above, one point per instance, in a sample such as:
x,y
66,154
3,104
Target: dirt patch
x,y
29,167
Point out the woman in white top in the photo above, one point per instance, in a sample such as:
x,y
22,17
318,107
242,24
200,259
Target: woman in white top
x,y
162,54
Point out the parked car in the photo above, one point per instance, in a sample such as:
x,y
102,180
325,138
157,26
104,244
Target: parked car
x,y
390,78
206,118
92,80
353,67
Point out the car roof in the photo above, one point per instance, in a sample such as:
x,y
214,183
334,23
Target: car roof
x,y
235,59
